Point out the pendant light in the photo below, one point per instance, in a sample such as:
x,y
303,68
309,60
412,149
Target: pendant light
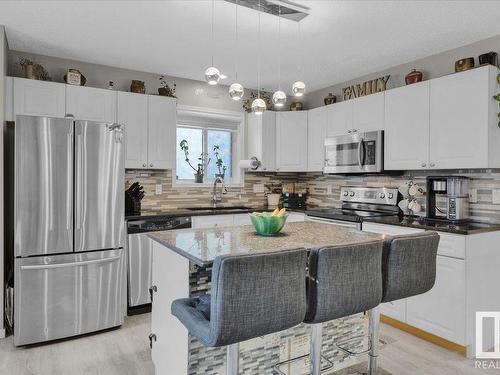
x,y
212,74
258,105
299,87
279,97
236,90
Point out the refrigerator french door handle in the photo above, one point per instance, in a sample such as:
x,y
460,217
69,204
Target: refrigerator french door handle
x,y
78,179
69,182
69,264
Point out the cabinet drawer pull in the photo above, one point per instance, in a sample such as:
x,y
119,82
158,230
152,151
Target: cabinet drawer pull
x,y
151,164
424,165
433,164
144,165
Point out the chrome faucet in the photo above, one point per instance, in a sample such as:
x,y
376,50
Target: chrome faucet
x,y
217,195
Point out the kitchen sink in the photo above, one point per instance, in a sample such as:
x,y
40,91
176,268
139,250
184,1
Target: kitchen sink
x,y
218,208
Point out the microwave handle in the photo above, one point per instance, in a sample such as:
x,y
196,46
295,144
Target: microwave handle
x,y
361,153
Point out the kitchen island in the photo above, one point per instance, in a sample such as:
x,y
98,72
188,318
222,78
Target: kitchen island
x,y
182,261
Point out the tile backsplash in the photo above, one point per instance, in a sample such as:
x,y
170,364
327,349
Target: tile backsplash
x,y
324,190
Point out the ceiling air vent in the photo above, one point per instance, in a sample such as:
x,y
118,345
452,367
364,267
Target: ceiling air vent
x,y
289,9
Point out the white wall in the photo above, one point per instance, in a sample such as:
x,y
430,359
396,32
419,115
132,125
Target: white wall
x,y
433,66
189,92
3,73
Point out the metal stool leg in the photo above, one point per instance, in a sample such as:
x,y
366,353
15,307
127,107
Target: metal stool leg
x,y
373,329
316,343
232,359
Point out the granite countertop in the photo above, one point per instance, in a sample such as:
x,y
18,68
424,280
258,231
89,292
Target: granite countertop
x,y
202,246
468,227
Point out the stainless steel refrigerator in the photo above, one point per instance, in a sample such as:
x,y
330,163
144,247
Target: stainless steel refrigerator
x,y
65,230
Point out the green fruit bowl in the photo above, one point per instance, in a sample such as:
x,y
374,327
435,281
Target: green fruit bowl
x,y
267,225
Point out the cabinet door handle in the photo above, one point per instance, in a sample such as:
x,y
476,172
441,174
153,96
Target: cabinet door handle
x,y
349,131
151,164
152,337
69,115
423,165
432,164
144,165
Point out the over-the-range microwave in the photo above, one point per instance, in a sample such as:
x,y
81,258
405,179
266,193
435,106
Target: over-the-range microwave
x,y
356,152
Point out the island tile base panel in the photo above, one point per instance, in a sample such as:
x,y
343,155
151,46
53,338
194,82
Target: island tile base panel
x,y
260,355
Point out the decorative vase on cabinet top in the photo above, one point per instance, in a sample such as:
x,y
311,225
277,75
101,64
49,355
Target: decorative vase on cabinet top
x,y
413,77
464,64
330,99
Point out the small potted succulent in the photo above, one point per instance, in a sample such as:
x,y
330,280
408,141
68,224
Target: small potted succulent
x,y
219,163
165,89
273,195
203,162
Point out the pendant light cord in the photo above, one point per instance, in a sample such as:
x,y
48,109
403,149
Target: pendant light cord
x,y
236,48
258,64
279,47
212,31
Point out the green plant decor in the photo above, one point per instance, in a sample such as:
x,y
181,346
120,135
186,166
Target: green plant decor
x,y
165,89
219,162
203,159
39,72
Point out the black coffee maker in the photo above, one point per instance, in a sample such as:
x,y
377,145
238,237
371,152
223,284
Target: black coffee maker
x,y
448,198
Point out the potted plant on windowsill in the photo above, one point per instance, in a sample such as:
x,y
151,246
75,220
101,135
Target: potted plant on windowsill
x,y
202,165
219,163
273,195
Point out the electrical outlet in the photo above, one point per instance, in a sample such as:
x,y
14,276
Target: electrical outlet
x,y
258,188
158,189
473,195
495,196
329,189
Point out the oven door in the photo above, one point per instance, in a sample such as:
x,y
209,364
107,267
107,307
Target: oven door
x,y
354,153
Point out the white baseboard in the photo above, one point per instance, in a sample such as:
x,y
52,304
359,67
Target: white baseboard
x,y
2,333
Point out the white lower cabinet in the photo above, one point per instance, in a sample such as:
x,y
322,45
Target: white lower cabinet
x,y
395,310
441,311
211,221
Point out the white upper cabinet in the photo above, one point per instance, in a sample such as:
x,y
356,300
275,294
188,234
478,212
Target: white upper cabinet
x,y
339,118
407,127
261,139
162,128
89,103
291,141
316,133
133,114
368,113
463,122
38,98
150,130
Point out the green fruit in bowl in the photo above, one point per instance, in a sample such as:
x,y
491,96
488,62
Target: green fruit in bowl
x,y
267,225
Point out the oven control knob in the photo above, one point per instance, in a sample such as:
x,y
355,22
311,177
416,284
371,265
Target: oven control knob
x,y
390,195
382,195
352,194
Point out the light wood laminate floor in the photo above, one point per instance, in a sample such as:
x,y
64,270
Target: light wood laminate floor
x,y
125,351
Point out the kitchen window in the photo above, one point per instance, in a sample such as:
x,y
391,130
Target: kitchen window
x,y
204,130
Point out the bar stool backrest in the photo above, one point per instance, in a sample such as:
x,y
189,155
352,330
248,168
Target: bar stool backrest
x,y
343,280
409,265
258,294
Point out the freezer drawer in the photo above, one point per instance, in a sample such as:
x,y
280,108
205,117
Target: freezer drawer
x,y
67,295
140,254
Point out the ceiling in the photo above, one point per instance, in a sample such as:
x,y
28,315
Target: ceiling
x,y
340,40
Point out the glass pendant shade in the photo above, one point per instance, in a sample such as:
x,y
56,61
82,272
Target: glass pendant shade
x,y
212,75
279,98
258,106
299,88
236,91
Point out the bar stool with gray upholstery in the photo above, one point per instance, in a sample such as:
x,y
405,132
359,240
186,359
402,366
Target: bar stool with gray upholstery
x,y
408,269
343,281
251,296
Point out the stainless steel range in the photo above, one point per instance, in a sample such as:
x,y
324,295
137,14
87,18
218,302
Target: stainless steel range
x,y
358,203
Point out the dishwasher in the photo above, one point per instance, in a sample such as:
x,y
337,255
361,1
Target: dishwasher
x,y
139,257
